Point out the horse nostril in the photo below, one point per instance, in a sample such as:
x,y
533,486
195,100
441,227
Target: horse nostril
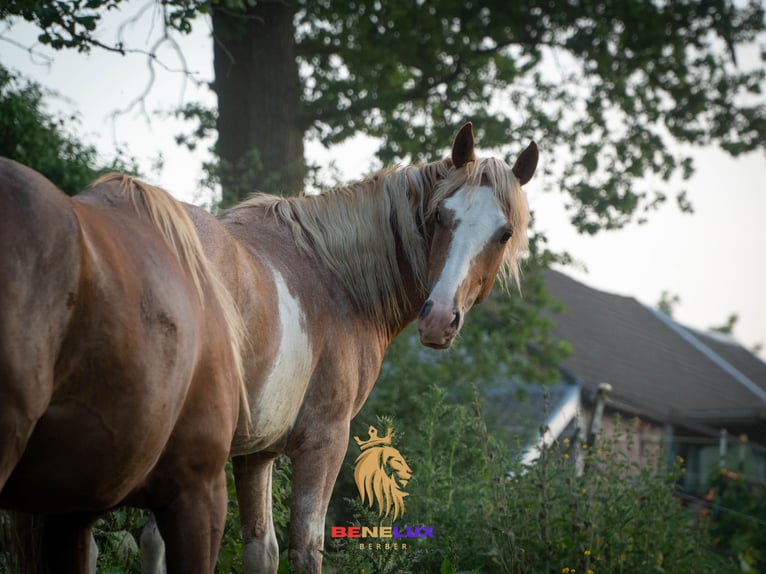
x,y
426,309
456,323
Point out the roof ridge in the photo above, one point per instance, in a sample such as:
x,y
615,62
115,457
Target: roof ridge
x,y
718,336
591,288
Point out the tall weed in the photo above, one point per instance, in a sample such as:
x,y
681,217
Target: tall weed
x,y
491,514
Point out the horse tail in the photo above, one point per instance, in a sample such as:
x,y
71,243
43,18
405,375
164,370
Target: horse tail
x,y
24,544
180,234
169,216
21,542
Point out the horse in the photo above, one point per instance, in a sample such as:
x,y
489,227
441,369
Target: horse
x,y
324,283
120,366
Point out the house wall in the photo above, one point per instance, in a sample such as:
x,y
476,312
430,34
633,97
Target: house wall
x,y
703,461
643,442
640,440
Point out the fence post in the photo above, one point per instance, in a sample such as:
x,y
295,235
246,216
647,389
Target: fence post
x,y
595,425
742,452
668,438
577,443
722,444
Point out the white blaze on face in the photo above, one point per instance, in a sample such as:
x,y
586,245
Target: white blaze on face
x,y
276,404
477,218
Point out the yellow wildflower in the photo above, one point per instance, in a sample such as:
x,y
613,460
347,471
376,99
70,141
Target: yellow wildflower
x,y
587,552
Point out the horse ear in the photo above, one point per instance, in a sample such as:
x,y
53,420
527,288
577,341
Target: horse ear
x,y
462,147
525,165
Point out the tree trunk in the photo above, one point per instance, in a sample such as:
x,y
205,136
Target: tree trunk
x,y
260,133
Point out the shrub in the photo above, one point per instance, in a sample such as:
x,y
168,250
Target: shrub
x,y
490,514
738,513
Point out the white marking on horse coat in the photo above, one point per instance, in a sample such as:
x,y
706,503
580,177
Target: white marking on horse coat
x,y
93,555
261,555
152,549
275,406
313,533
478,216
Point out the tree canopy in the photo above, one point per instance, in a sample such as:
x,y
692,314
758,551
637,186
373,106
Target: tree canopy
x,y
614,91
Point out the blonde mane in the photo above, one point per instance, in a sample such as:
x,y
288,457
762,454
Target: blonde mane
x,y
376,484
355,230
180,234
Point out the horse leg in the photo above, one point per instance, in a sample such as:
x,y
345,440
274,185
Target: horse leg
x,y
152,549
26,395
67,543
93,560
253,475
316,465
192,526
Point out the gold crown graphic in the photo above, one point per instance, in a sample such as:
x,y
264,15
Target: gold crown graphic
x,y
374,439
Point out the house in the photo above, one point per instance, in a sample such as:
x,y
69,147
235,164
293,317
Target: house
x,y
698,395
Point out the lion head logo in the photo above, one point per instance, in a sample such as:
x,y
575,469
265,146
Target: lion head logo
x,y
380,473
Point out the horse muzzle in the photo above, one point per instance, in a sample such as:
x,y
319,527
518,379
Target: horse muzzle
x,y
438,324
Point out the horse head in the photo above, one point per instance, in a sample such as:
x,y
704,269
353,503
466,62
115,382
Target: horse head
x,y
477,218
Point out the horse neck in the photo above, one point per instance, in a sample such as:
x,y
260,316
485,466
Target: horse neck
x,y
414,296
408,190
369,236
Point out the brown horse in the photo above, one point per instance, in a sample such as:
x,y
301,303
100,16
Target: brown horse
x,y
324,284
120,366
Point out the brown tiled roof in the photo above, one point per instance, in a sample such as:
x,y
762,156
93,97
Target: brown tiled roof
x,y
657,367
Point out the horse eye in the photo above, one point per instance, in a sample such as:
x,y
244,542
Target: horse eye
x,y
505,237
438,217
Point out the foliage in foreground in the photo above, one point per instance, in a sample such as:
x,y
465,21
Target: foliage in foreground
x,y
489,514
492,515
738,516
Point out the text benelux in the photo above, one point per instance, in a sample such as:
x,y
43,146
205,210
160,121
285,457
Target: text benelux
x,y
393,532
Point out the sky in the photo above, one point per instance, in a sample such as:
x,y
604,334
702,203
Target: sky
x,y
713,260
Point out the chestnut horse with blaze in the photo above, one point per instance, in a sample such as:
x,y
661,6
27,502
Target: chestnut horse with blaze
x,y
120,366
324,283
